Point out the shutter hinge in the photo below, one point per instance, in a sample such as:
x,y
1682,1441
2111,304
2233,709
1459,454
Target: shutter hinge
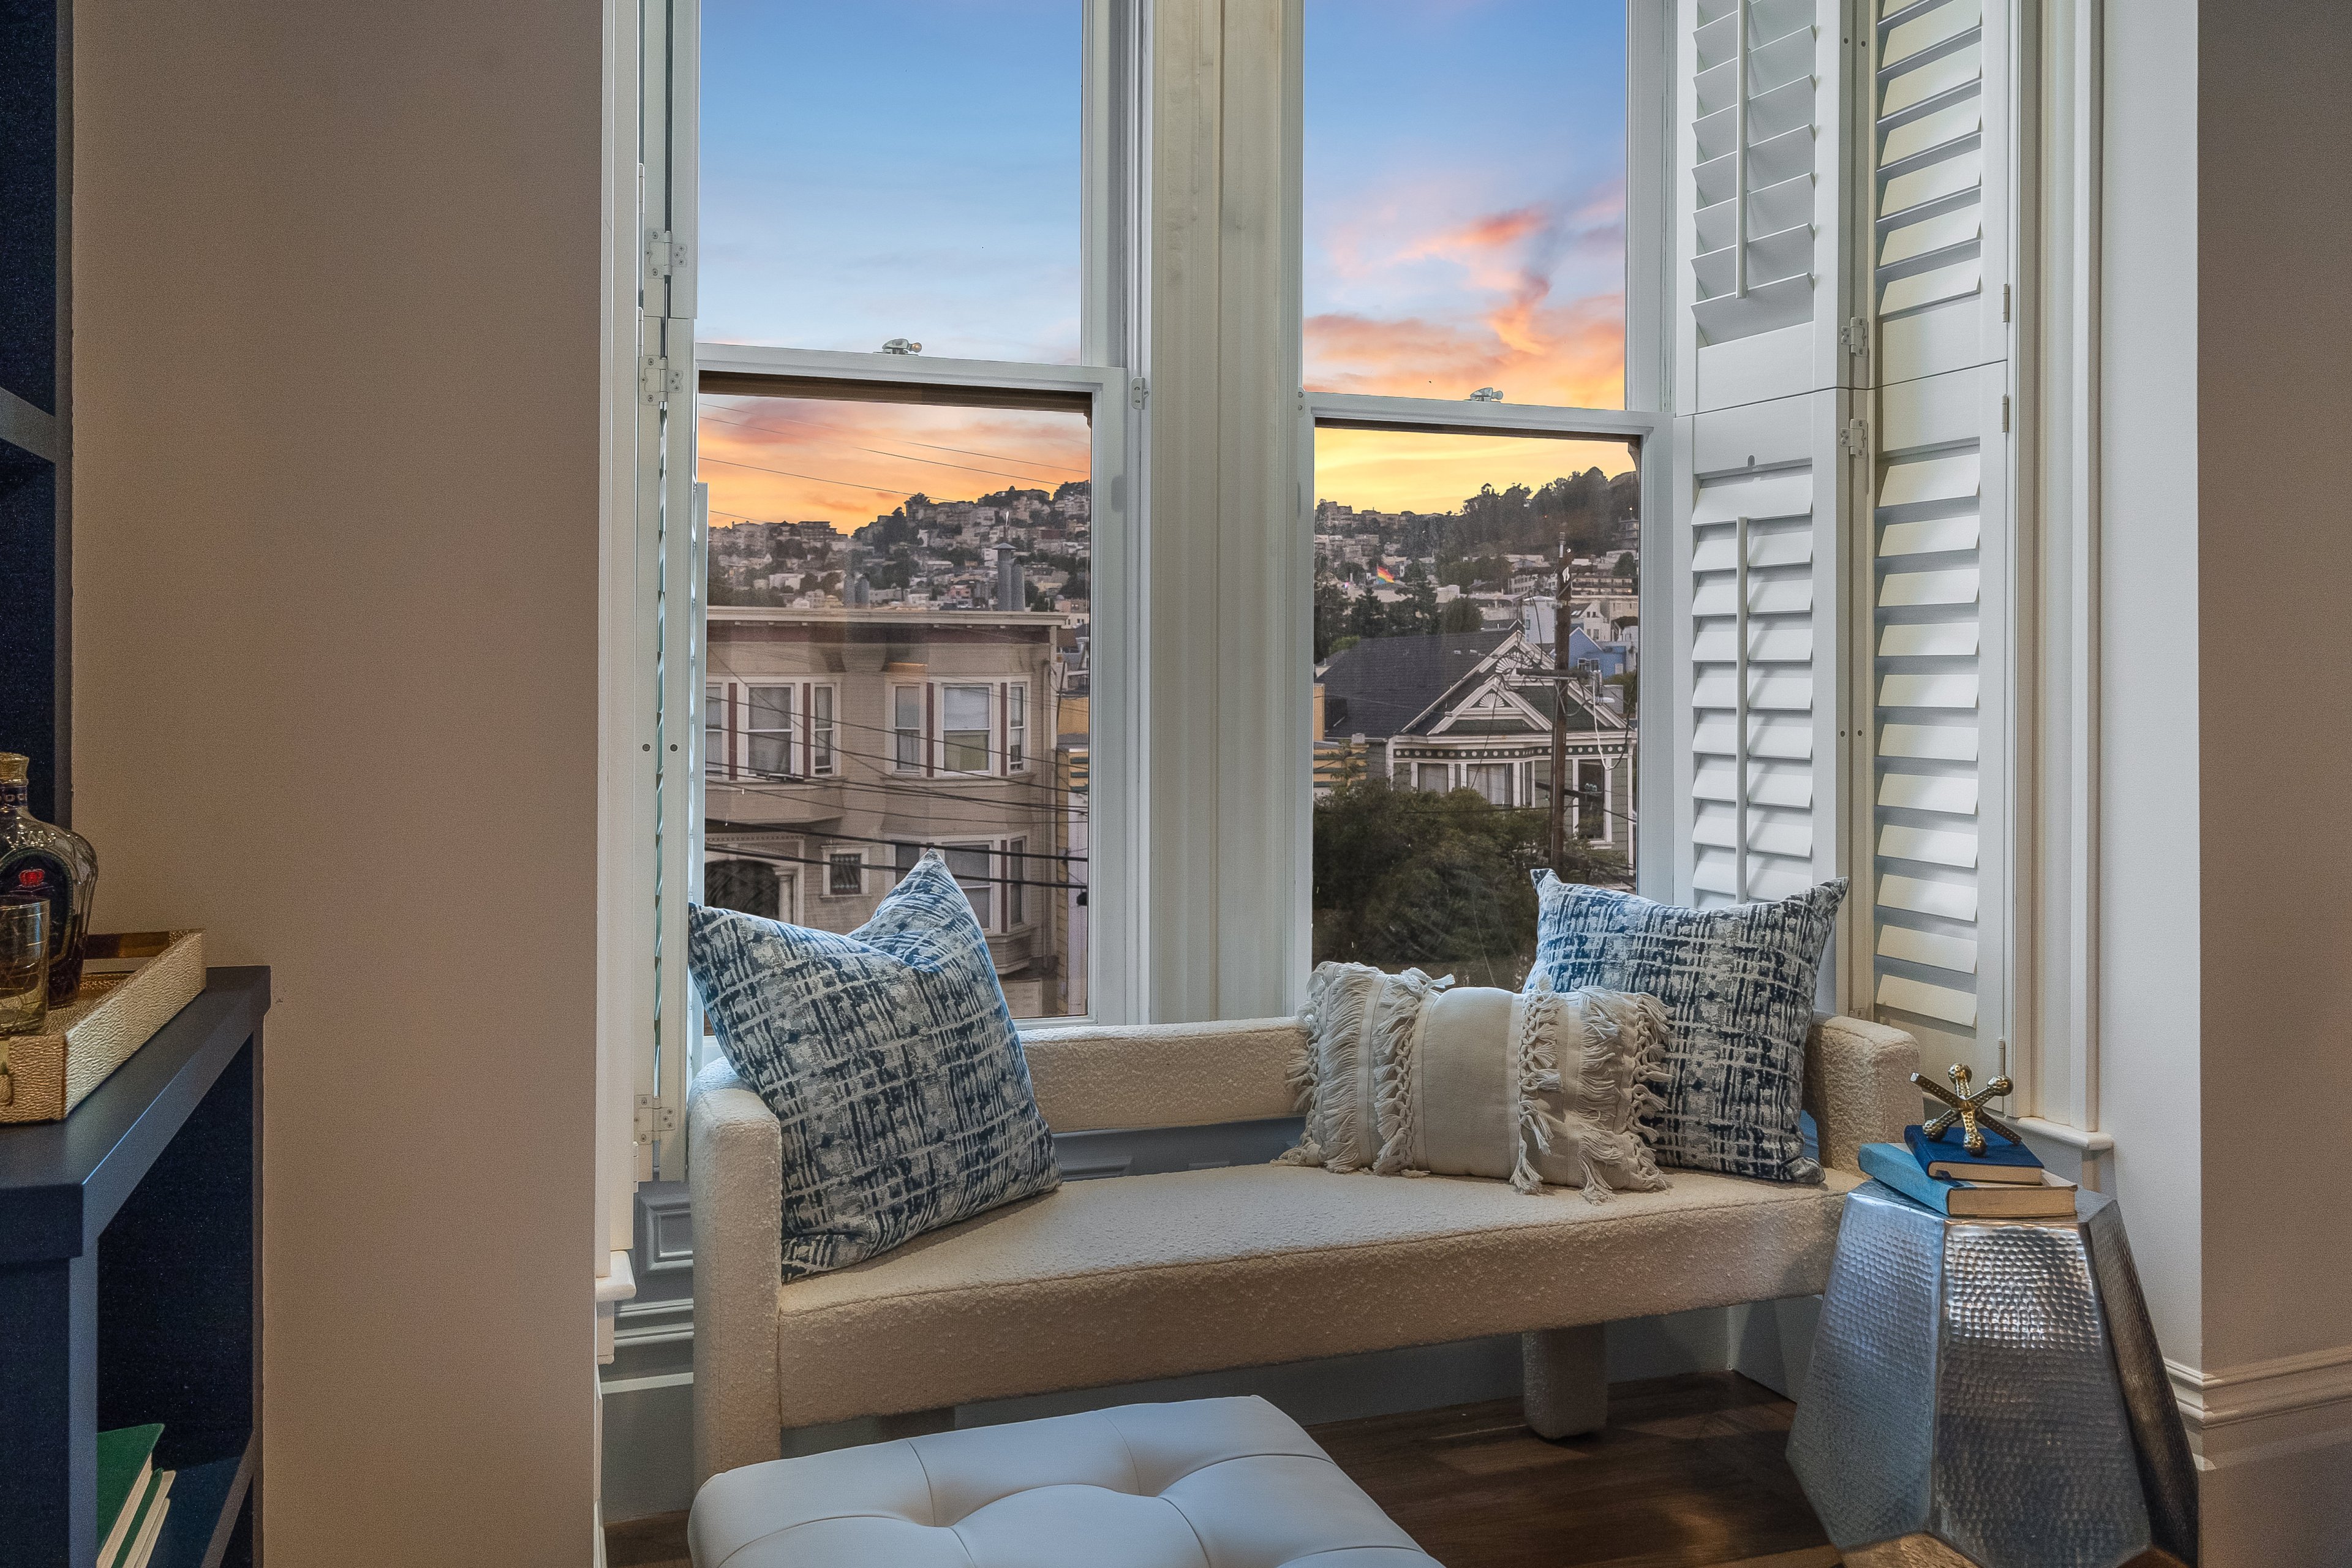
x,y
655,1120
664,255
2004,301
1138,392
657,383
1856,438
2004,414
1855,335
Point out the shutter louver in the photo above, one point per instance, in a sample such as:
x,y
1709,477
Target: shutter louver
x,y
1760,207
1939,535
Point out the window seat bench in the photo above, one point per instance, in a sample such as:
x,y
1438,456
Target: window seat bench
x,y
1118,1281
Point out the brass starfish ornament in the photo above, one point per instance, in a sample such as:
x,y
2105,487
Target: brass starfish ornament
x,y
1967,1109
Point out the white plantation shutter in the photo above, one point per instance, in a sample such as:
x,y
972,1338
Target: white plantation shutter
x,y
1940,530
1762,473
670,555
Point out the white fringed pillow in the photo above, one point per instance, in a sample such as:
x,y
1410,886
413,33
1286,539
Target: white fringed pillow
x,y
1406,1076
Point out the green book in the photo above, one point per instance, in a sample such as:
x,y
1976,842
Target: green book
x,y
124,1458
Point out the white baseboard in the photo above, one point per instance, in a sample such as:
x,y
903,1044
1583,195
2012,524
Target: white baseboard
x,y
2265,1410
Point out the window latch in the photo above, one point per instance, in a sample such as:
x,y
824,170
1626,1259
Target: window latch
x,y
1138,392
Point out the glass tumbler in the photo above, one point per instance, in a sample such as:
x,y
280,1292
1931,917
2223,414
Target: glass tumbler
x,y
24,964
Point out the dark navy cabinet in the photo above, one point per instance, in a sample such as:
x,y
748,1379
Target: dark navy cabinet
x,y
130,1290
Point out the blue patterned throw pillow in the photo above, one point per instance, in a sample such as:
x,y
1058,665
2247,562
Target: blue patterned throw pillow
x,y
1738,986
890,1059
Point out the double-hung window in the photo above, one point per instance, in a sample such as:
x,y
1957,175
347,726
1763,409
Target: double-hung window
x,y
886,305
1476,475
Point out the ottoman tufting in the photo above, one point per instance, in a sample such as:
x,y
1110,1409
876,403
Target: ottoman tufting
x,y
1210,1483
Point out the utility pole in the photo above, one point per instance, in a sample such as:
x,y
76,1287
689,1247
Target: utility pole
x,y
1562,589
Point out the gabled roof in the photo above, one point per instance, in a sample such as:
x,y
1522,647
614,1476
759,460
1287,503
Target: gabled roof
x,y
1384,687
1379,687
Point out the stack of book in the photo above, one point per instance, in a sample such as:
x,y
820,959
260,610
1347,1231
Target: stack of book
x,y
2005,1182
132,1497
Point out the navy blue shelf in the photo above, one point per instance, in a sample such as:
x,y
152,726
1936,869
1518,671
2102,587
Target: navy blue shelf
x,y
129,1268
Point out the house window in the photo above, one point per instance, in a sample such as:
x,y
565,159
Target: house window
x,y
969,862
1491,780
1436,777
820,744
845,874
907,729
1016,874
767,730
964,729
714,729
1016,728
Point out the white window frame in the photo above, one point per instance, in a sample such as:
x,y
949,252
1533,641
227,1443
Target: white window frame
x,y
1653,863
1115,902
822,735
747,762
834,856
992,756
650,679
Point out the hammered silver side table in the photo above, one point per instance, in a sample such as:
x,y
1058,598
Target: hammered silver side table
x,y
1987,1393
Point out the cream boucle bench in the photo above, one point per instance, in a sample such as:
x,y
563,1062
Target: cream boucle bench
x,y
1118,1281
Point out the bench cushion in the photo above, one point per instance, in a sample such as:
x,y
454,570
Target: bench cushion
x,y
1143,1276
1211,1483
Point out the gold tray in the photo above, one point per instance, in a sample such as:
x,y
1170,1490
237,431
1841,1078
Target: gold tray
x,y
131,985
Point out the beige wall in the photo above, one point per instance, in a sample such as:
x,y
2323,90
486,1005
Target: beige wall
x,y
2274,556
335,661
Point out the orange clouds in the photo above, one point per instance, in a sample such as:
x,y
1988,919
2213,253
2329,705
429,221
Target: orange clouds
x,y
805,460
1473,305
1413,470
1571,355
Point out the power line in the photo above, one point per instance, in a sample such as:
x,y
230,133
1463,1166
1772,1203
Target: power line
x,y
831,837
733,853
812,479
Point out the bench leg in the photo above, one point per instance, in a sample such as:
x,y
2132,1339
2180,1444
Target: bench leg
x,y
1564,1374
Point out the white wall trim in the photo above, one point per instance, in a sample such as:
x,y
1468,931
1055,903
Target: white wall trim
x,y
2265,1409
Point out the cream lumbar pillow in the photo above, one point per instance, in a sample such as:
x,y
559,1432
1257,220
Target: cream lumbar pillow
x,y
1404,1075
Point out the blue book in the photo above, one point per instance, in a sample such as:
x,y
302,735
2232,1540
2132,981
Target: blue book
x,y
1893,1164
2001,1161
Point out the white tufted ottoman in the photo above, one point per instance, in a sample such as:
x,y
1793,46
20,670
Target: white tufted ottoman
x,y
1211,1483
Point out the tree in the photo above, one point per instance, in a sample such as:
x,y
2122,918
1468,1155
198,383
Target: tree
x,y
1460,615
1412,877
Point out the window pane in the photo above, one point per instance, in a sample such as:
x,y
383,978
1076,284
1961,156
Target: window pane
x,y
1464,189
714,729
970,868
769,726
893,169
963,730
1438,587
846,875
820,730
855,549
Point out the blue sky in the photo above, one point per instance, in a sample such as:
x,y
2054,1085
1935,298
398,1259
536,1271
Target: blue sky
x,y
1465,197
892,168
874,169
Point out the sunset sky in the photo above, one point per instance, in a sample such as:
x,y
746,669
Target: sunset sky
x,y
910,168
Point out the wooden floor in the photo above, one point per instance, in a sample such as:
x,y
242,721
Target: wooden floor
x,y
1688,1474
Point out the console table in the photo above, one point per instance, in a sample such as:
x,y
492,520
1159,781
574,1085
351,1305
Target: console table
x,y
130,1290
